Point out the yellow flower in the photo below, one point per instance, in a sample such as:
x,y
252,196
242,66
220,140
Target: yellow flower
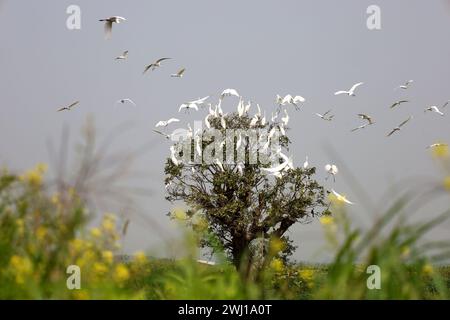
x,y
121,273
440,150
21,267
308,276
140,257
80,295
326,220
108,225
108,256
34,176
427,269
179,214
100,268
20,226
96,232
277,265
447,183
277,245
41,233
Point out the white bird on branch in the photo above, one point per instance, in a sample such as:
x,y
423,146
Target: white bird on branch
x,y
285,119
350,92
173,157
306,163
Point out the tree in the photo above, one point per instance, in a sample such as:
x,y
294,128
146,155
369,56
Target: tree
x,y
240,201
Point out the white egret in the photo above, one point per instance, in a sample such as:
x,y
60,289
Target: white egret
x,y
366,117
179,74
306,163
398,128
240,168
285,119
69,107
173,157
126,100
155,64
109,23
229,92
223,123
325,116
406,85
397,103
123,56
332,171
166,123
350,92
341,198
219,163
207,123
434,109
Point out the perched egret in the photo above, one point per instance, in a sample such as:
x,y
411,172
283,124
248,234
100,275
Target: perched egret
x,y
173,157
306,163
285,119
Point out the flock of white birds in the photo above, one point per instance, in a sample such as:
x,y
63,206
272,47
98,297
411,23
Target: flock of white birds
x,y
259,118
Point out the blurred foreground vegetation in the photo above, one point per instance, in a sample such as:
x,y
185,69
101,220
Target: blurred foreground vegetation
x,y
43,232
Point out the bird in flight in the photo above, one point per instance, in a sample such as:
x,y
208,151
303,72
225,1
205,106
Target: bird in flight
x,y
350,92
155,64
397,103
109,23
193,104
123,56
229,92
360,127
69,107
434,109
341,198
166,123
437,145
325,116
126,100
332,171
406,85
366,117
445,104
399,126
289,99
179,74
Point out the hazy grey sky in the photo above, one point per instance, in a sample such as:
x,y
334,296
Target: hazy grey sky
x,y
260,48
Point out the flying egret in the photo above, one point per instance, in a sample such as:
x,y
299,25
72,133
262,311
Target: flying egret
x,y
399,126
193,104
397,103
179,74
369,119
332,171
350,92
289,99
126,100
173,157
406,85
434,109
445,104
360,127
123,56
325,117
167,136
69,107
229,92
109,23
437,145
341,198
166,123
155,64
